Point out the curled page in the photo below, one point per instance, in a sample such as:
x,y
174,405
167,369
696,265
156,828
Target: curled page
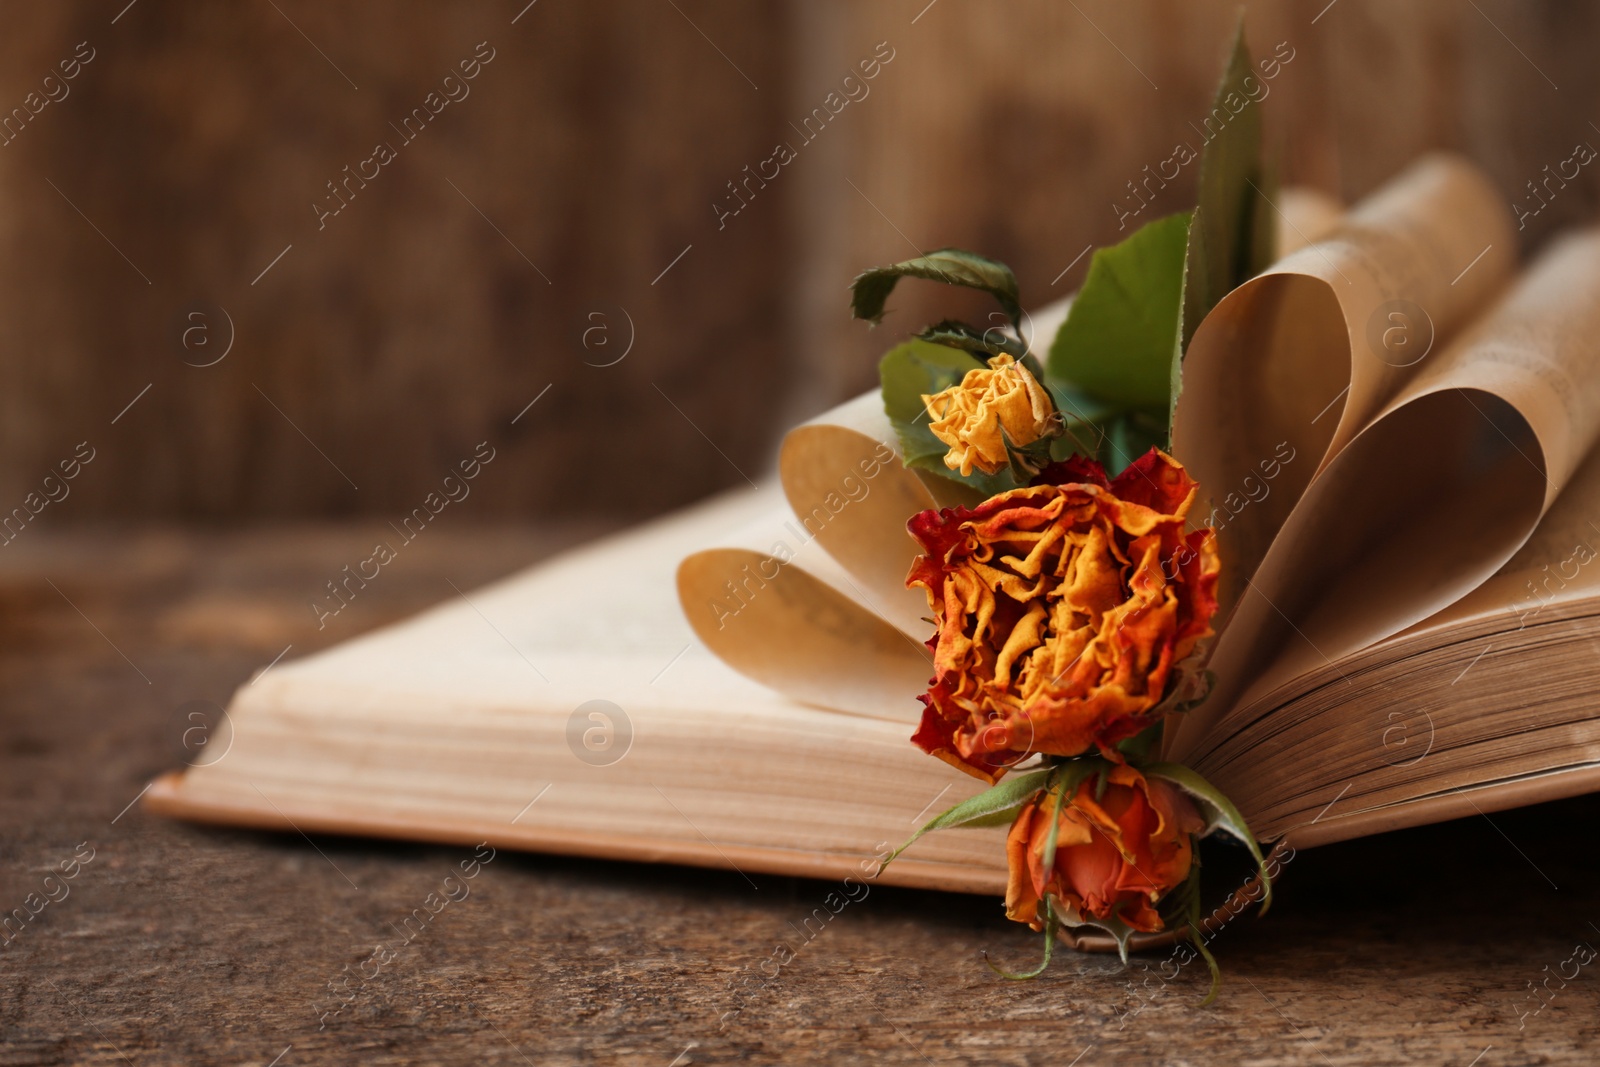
x,y
1434,495
811,599
1550,571
1291,365
843,477
1288,367
774,606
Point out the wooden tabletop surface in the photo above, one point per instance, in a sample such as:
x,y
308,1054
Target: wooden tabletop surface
x,y
170,943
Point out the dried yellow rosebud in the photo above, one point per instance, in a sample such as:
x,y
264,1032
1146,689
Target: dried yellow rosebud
x,y
969,417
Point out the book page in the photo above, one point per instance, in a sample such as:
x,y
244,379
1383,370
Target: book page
x,y
810,598
1556,567
773,605
1290,366
844,479
1433,497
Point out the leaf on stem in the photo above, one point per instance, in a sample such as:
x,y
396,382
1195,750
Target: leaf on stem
x,y
1119,340
952,266
997,803
1219,813
1234,233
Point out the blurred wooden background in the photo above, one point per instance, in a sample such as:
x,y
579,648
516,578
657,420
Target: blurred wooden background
x,y
569,200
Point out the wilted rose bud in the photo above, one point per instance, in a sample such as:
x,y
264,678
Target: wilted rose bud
x,y
970,416
1116,856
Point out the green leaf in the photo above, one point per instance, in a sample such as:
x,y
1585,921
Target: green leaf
x,y
1122,333
1264,223
1131,436
1175,365
1219,813
1077,406
1232,238
952,266
990,342
1004,799
909,371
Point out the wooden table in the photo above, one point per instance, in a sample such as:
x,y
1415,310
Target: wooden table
x,y
179,944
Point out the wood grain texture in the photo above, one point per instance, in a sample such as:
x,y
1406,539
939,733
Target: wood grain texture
x,y
591,152
180,944
452,289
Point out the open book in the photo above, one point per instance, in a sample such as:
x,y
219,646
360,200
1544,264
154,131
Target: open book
x,y
1395,429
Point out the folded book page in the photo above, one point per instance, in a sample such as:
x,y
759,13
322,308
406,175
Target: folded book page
x,y
773,605
1436,494
1294,366
1289,366
810,599
1555,570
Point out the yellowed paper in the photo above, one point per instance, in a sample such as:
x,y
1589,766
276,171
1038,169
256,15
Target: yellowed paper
x,y
1436,494
844,480
773,605
1558,566
1291,365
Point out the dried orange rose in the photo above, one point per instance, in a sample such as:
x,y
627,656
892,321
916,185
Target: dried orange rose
x,y
971,416
1116,856
1061,608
